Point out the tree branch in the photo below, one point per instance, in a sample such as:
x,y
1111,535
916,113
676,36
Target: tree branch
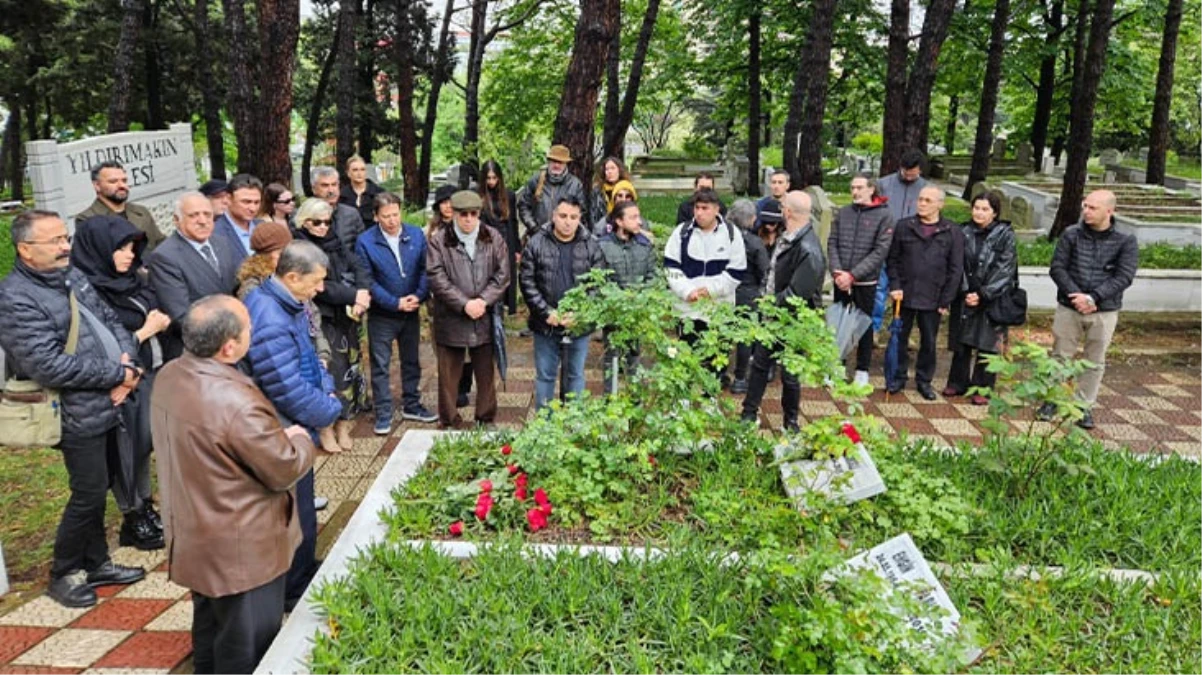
x,y
522,18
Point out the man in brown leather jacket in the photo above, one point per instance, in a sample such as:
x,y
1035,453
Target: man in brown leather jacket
x,y
226,473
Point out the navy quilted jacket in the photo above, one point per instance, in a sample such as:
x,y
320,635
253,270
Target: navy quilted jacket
x,y
283,361
37,316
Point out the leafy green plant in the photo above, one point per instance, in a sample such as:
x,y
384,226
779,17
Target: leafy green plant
x,y
1029,377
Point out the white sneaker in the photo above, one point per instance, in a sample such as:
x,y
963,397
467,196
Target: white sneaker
x,y
861,377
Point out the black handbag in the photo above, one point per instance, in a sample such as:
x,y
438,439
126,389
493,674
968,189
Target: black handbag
x,y
1010,308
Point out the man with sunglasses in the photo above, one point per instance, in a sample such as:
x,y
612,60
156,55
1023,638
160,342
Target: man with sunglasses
x,y
61,335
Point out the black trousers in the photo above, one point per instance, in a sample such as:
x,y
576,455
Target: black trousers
x,y
790,399
382,331
959,376
928,332
80,543
231,634
864,299
304,561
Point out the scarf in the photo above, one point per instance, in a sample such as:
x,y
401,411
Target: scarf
x,y
468,241
128,293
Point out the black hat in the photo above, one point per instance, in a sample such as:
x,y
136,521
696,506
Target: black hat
x,y
214,188
444,193
770,213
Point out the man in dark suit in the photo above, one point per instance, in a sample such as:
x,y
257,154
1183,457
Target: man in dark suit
x,y
190,265
237,224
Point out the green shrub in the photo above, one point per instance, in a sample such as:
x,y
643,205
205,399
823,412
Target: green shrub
x,y
869,142
1154,256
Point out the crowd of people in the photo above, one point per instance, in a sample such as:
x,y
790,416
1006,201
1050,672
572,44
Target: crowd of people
x,y
231,347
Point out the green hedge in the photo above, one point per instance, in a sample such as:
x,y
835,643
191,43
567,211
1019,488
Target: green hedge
x,y
1156,256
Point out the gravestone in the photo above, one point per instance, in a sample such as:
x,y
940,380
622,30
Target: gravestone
x,y
826,477
822,212
1024,153
999,149
1022,213
1143,154
980,187
159,165
736,169
1110,156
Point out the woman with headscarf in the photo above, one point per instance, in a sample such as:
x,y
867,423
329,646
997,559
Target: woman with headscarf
x,y
341,302
500,212
108,250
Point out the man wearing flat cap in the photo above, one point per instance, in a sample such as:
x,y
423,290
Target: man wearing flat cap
x,y
468,269
548,187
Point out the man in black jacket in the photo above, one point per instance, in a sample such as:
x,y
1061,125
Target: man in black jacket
x,y
1092,266
925,268
553,260
40,300
703,181
797,269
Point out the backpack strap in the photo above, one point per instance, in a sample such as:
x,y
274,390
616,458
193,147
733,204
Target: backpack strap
x,y
542,182
73,330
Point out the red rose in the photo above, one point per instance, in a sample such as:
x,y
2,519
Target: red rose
x,y
545,508
850,432
483,506
486,485
505,449
521,480
457,528
540,497
513,468
520,493
651,460
537,519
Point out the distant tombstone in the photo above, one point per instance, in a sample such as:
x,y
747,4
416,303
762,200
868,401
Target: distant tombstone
x,y
1110,156
999,149
1024,153
1143,154
1022,213
159,165
981,187
736,170
822,210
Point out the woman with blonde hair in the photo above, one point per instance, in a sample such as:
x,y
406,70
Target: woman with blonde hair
x,y
359,192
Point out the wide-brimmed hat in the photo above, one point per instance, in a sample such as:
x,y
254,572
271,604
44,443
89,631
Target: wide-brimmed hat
x,y
466,200
559,153
444,193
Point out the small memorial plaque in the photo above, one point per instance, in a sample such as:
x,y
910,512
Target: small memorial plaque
x,y
802,477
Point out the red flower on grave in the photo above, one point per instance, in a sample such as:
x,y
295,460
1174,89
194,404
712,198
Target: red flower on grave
x,y
850,432
537,519
545,508
505,449
540,497
456,528
483,506
521,480
486,485
520,493
651,460
513,468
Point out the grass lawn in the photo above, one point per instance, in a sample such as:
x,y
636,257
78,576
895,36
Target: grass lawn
x,y
7,253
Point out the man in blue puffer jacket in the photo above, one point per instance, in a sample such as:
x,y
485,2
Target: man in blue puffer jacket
x,y
283,362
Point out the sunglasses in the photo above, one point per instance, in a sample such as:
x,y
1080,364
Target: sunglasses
x,y
319,223
285,201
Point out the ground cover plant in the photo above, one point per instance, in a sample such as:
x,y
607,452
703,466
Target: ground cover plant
x,y
1154,256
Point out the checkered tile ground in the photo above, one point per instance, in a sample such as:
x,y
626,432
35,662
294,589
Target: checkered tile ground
x,y
145,627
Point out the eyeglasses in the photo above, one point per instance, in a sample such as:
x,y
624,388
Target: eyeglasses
x,y
319,223
285,201
57,241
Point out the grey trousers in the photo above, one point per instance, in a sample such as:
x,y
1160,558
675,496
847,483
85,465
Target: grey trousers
x,y
1071,329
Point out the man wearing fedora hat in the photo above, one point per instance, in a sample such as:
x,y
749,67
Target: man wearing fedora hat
x,y
545,189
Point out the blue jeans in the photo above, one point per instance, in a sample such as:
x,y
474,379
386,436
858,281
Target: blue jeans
x,y
548,350
405,331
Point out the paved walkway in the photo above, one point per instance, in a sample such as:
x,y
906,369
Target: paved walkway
x,y
145,627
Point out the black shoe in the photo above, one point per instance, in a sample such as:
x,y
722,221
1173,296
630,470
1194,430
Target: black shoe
x,y
525,332
1086,422
72,590
926,392
112,574
1046,412
750,418
739,386
461,401
895,388
419,413
138,531
792,427
152,515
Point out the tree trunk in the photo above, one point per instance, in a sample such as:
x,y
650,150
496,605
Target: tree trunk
x,y
154,73
989,91
922,74
753,102
279,30
1158,144
949,130
471,94
367,85
123,66
1082,116
791,135
406,82
766,124
242,87
209,96
1046,91
894,125
442,71
578,104
16,158
616,145
311,127
348,78
613,94
816,63
11,144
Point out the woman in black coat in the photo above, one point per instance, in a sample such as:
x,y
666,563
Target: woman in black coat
x,y
501,213
108,250
990,271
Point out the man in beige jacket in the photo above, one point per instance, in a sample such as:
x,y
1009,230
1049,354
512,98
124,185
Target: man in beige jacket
x,y
226,472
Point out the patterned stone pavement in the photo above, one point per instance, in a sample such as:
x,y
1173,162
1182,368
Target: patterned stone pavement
x,y
144,628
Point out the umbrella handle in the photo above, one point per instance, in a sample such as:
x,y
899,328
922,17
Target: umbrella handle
x,y
897,308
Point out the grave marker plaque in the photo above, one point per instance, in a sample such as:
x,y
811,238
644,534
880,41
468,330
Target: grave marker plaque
x,y
846,479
